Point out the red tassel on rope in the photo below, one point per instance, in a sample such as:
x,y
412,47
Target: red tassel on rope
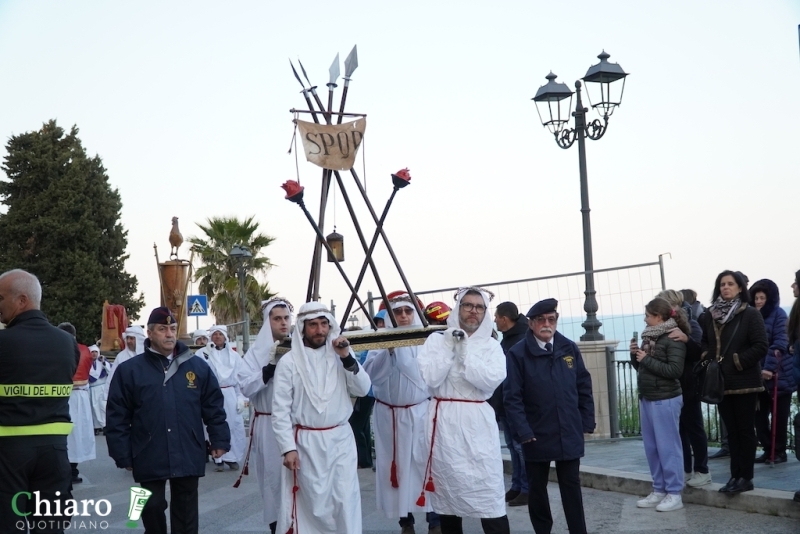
x,y
246,470
393,478
291,530
429,485
238,481
421,499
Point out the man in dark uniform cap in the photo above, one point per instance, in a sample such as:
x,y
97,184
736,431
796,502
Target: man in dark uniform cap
x,y
157,405
548,401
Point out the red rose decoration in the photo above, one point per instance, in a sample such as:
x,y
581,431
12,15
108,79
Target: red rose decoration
x,y
294,191
401,178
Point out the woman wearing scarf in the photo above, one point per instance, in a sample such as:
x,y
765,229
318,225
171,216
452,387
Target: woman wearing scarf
x,y
734,334
659,362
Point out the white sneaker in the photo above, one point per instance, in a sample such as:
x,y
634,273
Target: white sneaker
x,y
670,503
651,500
687,477
699,479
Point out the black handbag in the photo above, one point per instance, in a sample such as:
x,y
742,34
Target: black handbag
x,y
711,383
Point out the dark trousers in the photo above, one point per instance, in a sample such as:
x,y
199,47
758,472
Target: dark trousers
x,y
451,524
183,514
431,517
693,436
26,464
569,483
739,414
359,422
781,421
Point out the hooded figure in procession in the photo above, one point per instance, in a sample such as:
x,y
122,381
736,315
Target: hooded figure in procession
x,y
256,382
226,364
310,411
401,398
98,387
134,344
462,367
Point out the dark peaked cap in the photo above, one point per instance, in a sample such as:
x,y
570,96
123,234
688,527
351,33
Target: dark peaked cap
x,y
542,307
161,315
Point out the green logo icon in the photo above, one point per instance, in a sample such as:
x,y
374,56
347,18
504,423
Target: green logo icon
x,y
139,497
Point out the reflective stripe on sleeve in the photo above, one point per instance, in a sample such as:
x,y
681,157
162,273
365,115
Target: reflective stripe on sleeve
x,y
35,390
47,429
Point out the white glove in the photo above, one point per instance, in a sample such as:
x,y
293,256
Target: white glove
x,y
454,337
273,353
241,404
461,348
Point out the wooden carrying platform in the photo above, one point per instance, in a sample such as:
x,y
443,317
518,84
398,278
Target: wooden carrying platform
x,y
380,339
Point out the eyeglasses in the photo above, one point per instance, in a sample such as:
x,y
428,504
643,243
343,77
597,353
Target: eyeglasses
x,y
480,308
543,320
403,310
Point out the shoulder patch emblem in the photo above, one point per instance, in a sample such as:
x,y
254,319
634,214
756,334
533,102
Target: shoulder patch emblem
x,y
190,378
570,361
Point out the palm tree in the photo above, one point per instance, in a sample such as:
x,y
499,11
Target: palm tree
x,y
218,276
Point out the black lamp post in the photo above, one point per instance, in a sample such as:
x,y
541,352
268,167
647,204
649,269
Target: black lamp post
x,y
241,256
553,103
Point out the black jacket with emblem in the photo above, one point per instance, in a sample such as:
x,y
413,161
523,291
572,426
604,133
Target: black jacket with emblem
x,y
744,342
659,373
154,419
34,354
548,396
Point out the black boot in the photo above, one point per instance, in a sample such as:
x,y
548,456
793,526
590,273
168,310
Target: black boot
x,y
741,485
728,485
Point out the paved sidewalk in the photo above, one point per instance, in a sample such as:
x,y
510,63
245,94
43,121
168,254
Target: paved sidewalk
x,y
621,466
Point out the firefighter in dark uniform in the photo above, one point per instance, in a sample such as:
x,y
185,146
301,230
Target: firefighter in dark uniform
x,y
157,405
37,362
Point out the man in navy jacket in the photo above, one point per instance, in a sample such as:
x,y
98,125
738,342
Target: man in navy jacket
x,y
157,405
548,401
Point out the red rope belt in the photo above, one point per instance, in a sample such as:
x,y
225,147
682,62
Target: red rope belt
x,y
245,470
393,475
428,472
295,487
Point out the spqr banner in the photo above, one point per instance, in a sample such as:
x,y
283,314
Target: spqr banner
x,y
332,146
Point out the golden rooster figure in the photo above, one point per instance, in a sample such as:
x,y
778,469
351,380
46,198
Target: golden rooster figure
x,y
175,238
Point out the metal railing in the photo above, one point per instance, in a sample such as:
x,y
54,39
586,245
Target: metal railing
x,y
624,407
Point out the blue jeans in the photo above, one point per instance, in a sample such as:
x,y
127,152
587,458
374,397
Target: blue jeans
x,y
519,479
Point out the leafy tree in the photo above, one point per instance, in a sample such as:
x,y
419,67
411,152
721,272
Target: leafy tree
x,y
62,224
218,274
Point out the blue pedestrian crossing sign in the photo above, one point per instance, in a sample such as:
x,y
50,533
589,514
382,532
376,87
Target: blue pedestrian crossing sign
x,y
197,305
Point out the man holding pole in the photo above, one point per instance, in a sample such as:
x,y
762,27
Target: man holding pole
x,y
310,411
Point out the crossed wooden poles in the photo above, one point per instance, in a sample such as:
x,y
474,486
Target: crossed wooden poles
x,y
327,113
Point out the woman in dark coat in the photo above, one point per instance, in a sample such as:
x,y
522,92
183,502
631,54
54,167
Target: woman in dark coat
x,y
734,335
776,363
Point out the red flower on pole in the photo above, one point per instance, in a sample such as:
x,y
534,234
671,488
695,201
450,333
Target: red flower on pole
x,y
294,191
401,178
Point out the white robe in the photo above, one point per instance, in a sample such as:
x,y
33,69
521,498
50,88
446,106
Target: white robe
x,y
98,391
264,447
80,442
226,365
329,498
467,465
122,356
396,380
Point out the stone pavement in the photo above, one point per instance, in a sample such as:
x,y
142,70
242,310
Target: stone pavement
x,y
620,466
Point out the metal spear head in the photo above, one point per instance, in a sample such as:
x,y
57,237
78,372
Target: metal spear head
x,y
297,75
304,72
334,71
351,63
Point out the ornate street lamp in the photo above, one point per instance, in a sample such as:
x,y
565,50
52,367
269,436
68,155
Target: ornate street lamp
x,y
551,100
242,257
336,242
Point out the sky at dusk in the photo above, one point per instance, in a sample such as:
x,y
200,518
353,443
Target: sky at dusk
x,y
187,104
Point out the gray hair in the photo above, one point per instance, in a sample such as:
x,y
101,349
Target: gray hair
x,y
24,283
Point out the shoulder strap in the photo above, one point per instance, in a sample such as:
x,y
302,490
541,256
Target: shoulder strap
x,y
730,340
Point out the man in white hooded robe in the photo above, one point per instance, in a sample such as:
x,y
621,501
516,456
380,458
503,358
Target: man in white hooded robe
x,y
98,387
462,367
400,415
226,364
256,382
134,344
310,411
